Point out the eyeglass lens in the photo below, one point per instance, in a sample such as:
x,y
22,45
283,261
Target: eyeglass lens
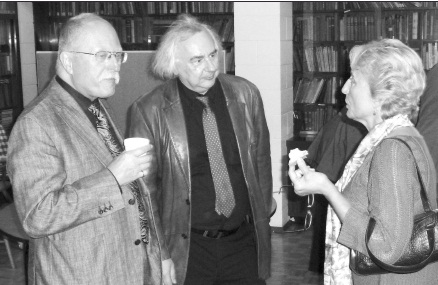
x,y
104,55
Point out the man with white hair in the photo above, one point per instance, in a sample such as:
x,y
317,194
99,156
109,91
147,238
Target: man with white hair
x,y
214,180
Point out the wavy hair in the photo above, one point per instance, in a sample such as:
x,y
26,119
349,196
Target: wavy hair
x,y
183,28
395,75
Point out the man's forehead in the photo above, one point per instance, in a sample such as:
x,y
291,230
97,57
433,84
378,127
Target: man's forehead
x,y
199,44
358,72
102,38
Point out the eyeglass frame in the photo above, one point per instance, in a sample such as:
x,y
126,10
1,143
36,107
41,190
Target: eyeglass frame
x,y
309,217
123,59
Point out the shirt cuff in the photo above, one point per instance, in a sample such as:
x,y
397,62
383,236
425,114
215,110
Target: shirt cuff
x,y
120,188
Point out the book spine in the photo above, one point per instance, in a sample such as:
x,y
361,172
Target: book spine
x,y
414,25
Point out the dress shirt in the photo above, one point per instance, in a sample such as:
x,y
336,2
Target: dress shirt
x,y
203,214
83,101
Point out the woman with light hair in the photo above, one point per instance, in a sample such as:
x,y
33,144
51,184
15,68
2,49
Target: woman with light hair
x,y
380,180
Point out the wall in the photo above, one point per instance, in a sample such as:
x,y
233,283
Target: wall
x,y
27,51
263,45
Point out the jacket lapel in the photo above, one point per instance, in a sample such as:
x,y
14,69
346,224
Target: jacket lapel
x,y
174,115
74,118
173,112
120,137
236,109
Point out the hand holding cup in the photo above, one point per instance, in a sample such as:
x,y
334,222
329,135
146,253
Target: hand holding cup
x,y
136,162
134,143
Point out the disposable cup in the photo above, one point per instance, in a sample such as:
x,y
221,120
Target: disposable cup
x,y
134,143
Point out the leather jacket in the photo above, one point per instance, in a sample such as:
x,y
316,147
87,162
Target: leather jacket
x,y
159,117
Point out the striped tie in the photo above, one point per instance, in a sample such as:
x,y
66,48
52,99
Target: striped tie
x,y
105,131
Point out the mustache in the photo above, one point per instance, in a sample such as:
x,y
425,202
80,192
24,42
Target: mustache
x,y
115,76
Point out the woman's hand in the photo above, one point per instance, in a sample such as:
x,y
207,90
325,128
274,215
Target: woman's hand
x,y
306,181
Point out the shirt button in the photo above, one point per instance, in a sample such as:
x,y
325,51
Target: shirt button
x,y
137,242
187,201
131,201
184,236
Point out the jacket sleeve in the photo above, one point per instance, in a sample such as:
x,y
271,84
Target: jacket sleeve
x,y
47,201
140,127
393,194
262,148
427,123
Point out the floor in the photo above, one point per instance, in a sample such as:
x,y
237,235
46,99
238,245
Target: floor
x,y
290,257
9,276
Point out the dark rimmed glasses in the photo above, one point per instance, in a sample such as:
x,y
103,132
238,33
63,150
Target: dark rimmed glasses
x,y
309,218
102,56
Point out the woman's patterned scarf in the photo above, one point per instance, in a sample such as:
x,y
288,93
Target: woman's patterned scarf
x,y
337,258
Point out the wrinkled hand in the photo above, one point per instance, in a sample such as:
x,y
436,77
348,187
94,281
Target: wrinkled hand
x,y
306,180
169,275
133,164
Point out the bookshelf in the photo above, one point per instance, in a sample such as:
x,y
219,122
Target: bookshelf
x,y
324,32
11,99
318,65
139,25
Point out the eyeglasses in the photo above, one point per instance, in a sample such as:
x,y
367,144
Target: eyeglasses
x,y
309,218
102,56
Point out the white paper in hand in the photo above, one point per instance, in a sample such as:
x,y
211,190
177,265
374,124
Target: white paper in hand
x,y
295,154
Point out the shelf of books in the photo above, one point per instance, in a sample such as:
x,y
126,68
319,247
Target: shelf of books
x,y
317,59
139,25
357,27
222,23
309,119
316,101
414,23
10,77
419,29
177,7
323,34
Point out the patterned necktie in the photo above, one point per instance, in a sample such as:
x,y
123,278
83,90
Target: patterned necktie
x,y
105,131
224,192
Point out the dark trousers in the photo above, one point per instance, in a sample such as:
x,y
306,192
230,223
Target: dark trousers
x,y
317,253
229,260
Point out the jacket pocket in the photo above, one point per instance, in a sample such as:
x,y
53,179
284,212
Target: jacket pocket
x,y
78,260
